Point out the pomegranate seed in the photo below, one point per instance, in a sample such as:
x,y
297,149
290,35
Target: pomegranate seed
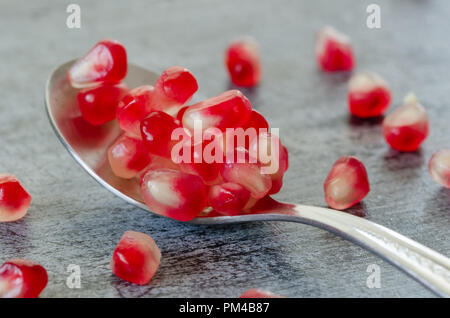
x,y
439,167
106,62
156,132
20,278
334,51
246,173
243,62
256,121
14,199
228,198
98,105
406,127
128,156
208,171
368,95
134,107
263,145
174,88
346,183
174,194
228,110
136,258
258,293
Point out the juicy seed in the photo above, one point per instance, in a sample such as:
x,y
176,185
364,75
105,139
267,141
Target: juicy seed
x,y
228,198
128,156
228,110
106,62
333,51
134,107
368,95
258,293
246,173
20,278
98,105
346,184
407,127
174,88
439,167
242,60
173,194
136,258
14,199
156,132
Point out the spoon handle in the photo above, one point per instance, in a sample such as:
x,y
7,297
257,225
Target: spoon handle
x,y
420,262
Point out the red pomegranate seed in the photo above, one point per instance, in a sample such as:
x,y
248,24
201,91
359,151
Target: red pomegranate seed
x,y
228,110
346,183
263,143
136,258
174,194
106,62
439,167
333,51
156,132
258,293
256,121
98,105
407,127
20,278
228,198
14,199
368,95
174,88
243,62
134,107
246,173
128,156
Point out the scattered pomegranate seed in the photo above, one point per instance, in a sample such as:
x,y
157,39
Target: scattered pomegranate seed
x,y
242,60
228,198
14,199
174,88
136,258
134,107
346,184
20,278
333,50
439,167
406,128
106,62
98,105
258,293
246,173
228,110
263,143
156,132
173,193
128,156
368,95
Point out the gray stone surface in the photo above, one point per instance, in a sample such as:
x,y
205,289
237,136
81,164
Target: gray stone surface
x,y
72,220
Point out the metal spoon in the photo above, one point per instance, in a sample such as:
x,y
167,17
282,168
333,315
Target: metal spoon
x,y
88,146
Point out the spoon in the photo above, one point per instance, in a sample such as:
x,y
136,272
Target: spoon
x,y
88,146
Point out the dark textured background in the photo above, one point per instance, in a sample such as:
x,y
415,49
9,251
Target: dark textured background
x,y
72,220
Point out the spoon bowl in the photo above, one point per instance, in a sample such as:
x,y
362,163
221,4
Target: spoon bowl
x,y
88,145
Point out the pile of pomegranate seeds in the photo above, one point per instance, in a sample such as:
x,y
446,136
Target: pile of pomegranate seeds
x,y
439,167
136,258
406,128
368,95
243,63
14,199
333,51
259,293
21,278
346,184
